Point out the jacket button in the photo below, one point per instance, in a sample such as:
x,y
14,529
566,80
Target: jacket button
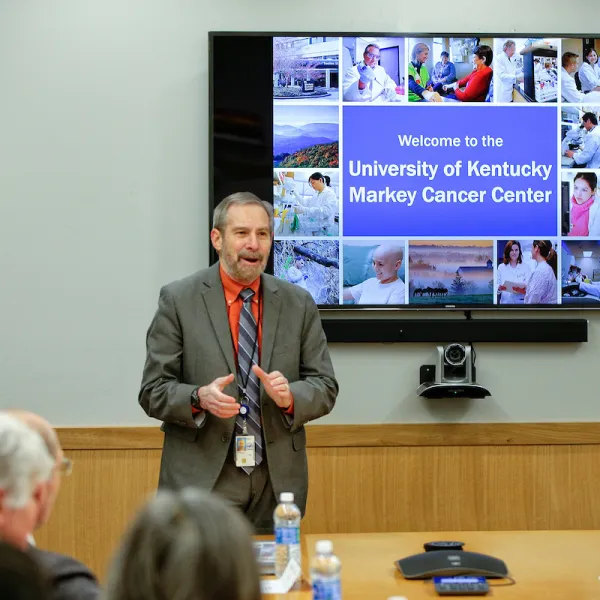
x,y
225,438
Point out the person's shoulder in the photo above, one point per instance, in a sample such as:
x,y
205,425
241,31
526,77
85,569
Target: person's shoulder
x,y
191,282
61,565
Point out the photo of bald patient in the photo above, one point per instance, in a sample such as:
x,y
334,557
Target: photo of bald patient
x,y
374,272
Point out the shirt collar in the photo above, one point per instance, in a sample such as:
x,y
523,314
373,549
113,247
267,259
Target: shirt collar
x,y
233,288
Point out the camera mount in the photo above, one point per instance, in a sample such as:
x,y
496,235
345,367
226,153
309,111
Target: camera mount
x,y
453,375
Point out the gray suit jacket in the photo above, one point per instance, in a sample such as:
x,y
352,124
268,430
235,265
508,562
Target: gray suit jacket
x,y
69,579
189,344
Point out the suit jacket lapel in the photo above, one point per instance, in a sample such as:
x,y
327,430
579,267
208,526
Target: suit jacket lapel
x,y
214,297
270,318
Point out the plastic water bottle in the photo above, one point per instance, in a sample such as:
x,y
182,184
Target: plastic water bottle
x,y
325,573
287,534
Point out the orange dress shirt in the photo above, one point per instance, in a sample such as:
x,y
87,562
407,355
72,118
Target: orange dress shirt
x,y
234,308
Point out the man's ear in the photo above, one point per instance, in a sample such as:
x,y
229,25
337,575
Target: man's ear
x,y
216,239
40,493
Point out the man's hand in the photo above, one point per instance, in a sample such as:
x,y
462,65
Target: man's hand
x,y
276,386
213,400
569,153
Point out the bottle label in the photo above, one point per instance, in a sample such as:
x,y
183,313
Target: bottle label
x,y
287,535
327,590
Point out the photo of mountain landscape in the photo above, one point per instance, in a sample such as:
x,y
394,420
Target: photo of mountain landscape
x,y
305,136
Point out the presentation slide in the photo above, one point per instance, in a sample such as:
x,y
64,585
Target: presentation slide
x,y
437,171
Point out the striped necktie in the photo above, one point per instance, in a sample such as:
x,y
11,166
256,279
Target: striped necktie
x,y
247,380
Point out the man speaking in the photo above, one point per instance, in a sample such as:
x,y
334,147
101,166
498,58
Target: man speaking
x,y
237,363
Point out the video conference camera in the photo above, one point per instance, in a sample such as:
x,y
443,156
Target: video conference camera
x,y
453,375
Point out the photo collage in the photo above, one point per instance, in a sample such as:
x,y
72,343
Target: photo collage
x,y
317,79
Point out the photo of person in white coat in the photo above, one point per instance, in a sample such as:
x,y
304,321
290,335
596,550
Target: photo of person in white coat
x,y
513,270
506,72
589,73
367,81
318,210
568,86
589,155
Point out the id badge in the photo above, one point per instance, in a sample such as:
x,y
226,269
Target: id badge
x,y
244,451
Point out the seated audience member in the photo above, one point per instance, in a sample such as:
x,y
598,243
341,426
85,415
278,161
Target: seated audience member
x,y
444,72
25,438
21,578
477,84
386,287
200,546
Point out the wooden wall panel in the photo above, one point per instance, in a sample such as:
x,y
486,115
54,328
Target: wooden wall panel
x,y
397,478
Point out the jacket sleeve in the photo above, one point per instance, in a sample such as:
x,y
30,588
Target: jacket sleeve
x,y
163,395
316,391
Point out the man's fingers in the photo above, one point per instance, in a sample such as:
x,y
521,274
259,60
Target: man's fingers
x,y
221,382
262,375
222,398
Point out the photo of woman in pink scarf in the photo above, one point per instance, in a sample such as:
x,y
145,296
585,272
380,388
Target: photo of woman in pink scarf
x,y
585,220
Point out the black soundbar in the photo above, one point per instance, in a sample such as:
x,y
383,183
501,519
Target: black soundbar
x,y
455,330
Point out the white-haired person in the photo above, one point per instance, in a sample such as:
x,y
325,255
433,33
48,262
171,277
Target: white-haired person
x,y
31,466
185,545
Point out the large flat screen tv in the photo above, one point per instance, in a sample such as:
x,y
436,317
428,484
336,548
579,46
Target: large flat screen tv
x,y
406,171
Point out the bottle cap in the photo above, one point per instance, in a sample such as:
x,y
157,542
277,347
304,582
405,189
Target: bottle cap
x,y
286,497
324,547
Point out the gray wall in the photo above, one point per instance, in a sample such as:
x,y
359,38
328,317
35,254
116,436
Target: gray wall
x,y
103,183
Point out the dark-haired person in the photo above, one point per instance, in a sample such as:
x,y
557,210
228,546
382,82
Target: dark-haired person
x,y
589,156
568,87
542,286
589,73
584,217
512,270
319,210
444,72
477,84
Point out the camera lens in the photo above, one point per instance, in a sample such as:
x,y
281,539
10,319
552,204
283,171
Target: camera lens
x,y
455,354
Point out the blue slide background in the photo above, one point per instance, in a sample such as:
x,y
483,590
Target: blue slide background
x,y
529,134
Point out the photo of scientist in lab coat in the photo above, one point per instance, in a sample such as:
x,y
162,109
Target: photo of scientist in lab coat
x,y
589,73
505,72
306,204
589,155
366,80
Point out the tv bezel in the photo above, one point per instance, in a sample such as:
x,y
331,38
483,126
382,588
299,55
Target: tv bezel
x,y
398,308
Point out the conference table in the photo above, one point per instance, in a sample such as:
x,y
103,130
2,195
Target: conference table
x,y
547,565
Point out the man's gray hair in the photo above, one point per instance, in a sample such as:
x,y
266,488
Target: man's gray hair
x,y
239,199
508,44
185,545
24,461
417,49
371,46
